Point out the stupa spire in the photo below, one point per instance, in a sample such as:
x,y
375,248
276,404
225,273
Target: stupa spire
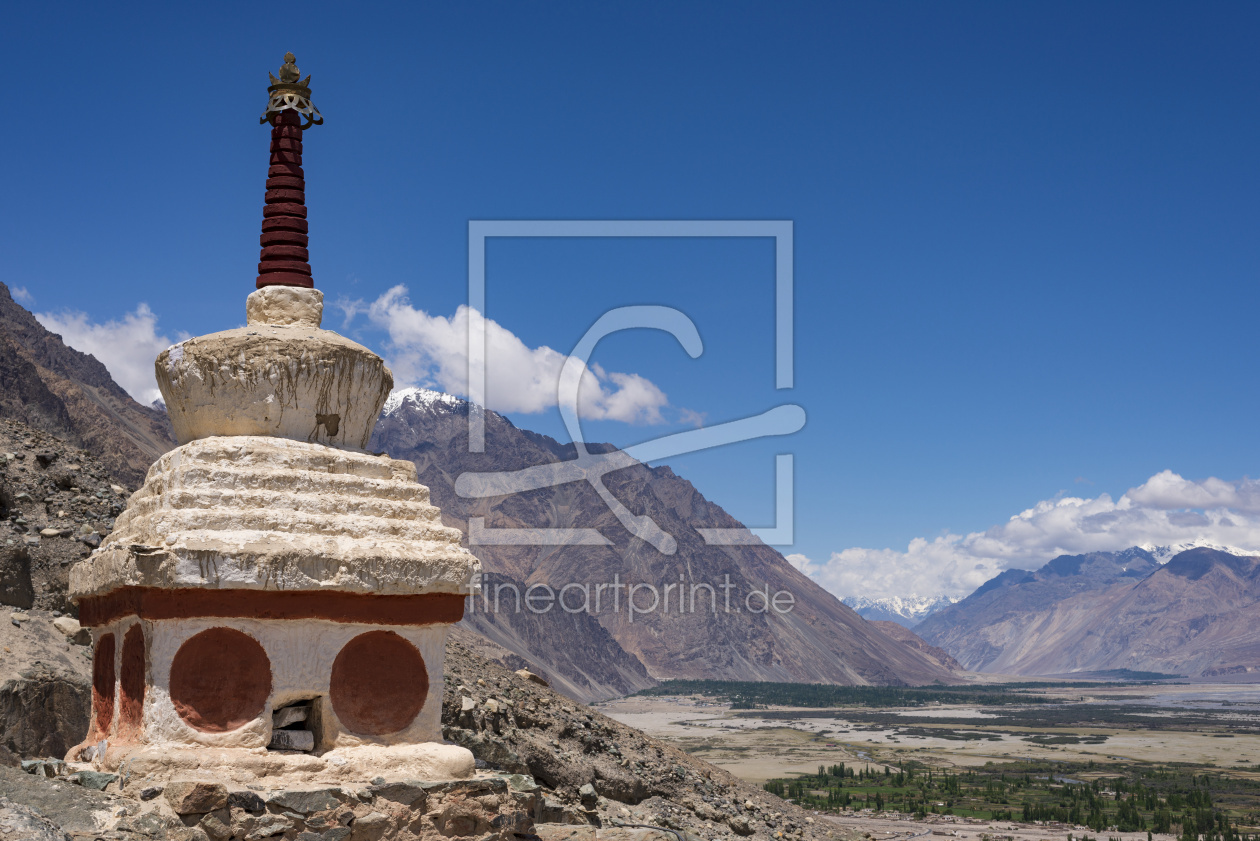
x,y
285,260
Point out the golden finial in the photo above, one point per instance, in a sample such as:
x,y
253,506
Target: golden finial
x,y
288,94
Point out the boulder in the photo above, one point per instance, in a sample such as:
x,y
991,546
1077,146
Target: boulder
x,y
285,716
16,588
526,674
195,798
406,793
18,821
45,689
73,631
299,740
95,780
305,802
246,801
43,711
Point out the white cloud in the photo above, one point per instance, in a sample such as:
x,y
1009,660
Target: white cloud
x,y
126,347
22,295
803,564
1165,510
432,350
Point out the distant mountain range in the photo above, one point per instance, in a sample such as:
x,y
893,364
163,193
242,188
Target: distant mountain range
x,y
1186,609
819,641
1194,615
907,611
53,387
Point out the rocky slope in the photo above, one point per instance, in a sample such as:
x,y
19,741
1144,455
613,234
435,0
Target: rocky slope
x,y
904,635
595,652
56,503
53,387
514,724
1195,615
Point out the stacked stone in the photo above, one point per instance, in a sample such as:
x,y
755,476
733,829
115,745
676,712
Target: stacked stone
x,y
285,260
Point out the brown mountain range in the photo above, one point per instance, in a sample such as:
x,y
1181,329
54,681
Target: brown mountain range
x,y
727,632
600,654
1194,616
53,387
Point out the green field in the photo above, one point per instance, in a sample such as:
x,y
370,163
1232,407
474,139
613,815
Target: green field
x,y
1191,802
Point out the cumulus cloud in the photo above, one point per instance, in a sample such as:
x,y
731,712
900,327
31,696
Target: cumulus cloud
x,y
432,350
1166,510
127,347
803,564
22,295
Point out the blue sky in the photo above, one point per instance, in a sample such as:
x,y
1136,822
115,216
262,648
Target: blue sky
x,y
1025,234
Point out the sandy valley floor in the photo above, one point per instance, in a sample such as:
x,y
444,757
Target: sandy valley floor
x,y
757,749
1201,724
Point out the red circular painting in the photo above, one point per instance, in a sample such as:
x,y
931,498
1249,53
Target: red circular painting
x,y
220,680
379,683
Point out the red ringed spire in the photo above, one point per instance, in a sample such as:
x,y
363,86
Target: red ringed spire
x,y
285,260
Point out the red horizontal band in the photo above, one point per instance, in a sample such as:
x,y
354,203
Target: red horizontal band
x,y
283,238
271,253
284,223
295,266
285,209
291,170
286,182
285,279
293,144
281,196
188,603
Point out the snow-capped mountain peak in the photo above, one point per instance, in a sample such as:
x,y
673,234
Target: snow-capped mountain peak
x,y
419,398
904,610
1163,554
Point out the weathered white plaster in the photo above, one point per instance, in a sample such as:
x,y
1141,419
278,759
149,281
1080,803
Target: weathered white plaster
x,y
262,513
289,381
273,770
285,305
